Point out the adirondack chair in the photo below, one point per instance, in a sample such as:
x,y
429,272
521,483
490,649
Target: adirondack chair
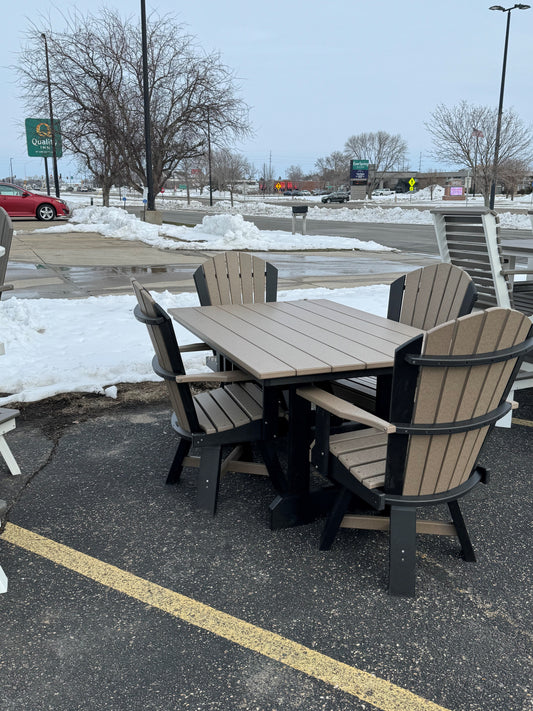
x,y
470,239
235,278
449,388
6,234
210,420
422,298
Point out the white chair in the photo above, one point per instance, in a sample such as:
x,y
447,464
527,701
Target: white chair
x,y
3,576
7,423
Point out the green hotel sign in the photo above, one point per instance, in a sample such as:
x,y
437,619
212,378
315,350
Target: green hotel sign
x,y
39,138
359,165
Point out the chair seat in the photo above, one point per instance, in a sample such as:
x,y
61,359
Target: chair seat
x,y
7,414
358,391
363,453
234,405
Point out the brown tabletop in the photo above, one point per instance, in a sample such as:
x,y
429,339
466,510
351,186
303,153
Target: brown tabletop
x,y
283,342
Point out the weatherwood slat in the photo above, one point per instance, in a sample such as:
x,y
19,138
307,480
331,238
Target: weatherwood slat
x,y
235,278
382,523
345,332
439,463
290,329
238,332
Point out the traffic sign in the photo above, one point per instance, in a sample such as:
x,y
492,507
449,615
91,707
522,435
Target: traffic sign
x,y
278,186
412,182
39,138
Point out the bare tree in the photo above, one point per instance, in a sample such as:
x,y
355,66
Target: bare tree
x,y
295,174
334,169
382,150
267,178
229,169
464,135
512,174
96,75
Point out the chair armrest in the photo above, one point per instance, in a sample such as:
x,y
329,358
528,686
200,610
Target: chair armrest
x,y
222,376
345,410
191,347
507,272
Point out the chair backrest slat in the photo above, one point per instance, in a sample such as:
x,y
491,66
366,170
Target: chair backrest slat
x,y
6,235
450,394
168,356
235,278
433,295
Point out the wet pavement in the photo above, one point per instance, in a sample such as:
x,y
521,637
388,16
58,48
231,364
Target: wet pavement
x,y
62,265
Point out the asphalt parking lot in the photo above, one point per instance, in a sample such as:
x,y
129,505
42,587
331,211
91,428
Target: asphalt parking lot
x,y
122,595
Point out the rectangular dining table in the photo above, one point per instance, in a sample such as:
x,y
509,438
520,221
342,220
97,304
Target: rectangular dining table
x,y
284,345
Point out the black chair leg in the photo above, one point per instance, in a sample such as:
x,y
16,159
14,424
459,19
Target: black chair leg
x,y
177,463
208,478
334,519
402,550
462,531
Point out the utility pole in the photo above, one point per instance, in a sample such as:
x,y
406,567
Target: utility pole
x,y
52,127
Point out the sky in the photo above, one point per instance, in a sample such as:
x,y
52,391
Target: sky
x,y
316,73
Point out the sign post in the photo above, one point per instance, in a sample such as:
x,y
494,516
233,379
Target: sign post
x,y
39,141
358,179
39,138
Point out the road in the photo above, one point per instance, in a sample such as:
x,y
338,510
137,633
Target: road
x,y
407,238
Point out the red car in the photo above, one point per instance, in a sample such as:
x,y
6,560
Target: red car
x,y
18,202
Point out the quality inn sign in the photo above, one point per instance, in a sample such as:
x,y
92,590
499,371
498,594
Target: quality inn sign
x,y
39,138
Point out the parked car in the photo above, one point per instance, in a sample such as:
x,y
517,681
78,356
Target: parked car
x,y
18,202
337,196
382,191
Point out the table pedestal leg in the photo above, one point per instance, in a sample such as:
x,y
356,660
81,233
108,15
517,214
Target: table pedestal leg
x,y
298,505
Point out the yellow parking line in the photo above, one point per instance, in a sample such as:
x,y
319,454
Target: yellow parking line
x,y
526,423
379,693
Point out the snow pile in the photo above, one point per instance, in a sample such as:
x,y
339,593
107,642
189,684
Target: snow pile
x,y
56,346
425,193
216,232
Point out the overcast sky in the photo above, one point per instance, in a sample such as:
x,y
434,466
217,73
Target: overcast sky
x,y
315,72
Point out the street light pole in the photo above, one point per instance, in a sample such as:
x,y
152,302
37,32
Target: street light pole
x,y
209,159
477,135
52,128
502,88
147,123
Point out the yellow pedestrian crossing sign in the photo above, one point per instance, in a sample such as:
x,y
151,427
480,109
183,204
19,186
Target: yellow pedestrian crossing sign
x,y
412,182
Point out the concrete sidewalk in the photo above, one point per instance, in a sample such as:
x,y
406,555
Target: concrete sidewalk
x,y
75,265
